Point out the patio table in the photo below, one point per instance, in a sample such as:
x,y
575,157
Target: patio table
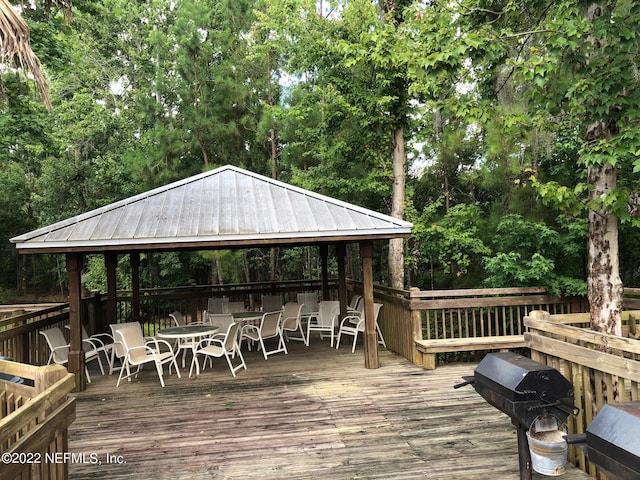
x,y
247,317
187,336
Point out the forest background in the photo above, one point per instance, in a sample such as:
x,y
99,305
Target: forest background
x,y
486,105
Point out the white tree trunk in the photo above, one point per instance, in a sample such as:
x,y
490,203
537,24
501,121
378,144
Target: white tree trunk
x,y
396,245
605,289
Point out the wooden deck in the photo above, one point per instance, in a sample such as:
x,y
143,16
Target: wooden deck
x,y
315,413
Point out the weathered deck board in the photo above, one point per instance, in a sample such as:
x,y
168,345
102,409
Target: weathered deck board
x,y
315,413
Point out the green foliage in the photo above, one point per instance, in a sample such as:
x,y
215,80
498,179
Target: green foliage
x,y
534,254
448,245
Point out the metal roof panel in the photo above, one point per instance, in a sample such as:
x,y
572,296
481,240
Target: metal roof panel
x,y
221,207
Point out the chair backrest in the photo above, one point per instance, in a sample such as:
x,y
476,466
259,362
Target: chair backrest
x,y
86,346
356,300
270,324
234,307
55,338
118,348
376,312
327,310
291,315
222,320
271,303
232,335
217,305
130,335
310,302
178,319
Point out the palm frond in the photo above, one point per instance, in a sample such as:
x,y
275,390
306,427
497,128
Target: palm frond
x,y
15,49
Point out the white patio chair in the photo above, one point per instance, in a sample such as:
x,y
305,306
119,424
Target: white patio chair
x,y
60,350
222,320
271,303
138,352
325,321
356,301
118,351
235,307
216,305
102,342
220,346
185,344
292,321
355,323
309,301
270,327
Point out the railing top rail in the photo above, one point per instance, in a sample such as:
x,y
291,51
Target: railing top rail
x,y
476,292
25,317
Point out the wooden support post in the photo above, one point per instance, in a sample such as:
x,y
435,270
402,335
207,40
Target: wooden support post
x,y
341,252
416,322
324,261
76,353
134,260
110,263
371,359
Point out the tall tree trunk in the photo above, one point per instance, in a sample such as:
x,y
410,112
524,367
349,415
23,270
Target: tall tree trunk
x,y
605,289
396,245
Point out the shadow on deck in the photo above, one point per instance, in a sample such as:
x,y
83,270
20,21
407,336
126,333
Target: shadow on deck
x,y
315,413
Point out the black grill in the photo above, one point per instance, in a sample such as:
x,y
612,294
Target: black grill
x,y
522,388
612,440
526,391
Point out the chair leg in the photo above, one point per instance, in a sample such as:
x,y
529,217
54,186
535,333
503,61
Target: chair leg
x,y
381,341
233,372
355,339
159,369
195,360
100,363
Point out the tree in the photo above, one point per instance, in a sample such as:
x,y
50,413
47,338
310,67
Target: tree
x,y
577,65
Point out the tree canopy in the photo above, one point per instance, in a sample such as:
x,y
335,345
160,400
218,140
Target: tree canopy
x,y
515,124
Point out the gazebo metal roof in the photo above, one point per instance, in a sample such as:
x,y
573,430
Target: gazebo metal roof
x,y
223,208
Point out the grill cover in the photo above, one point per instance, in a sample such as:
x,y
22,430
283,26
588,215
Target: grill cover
x,y
613,439
523,388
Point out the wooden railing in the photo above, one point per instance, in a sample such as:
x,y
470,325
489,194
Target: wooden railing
x,y
406,317
19,338
602,368
410,316
34,418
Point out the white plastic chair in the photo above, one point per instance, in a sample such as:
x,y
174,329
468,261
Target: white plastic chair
x,y
235,307
186,344
271,303
220,346
102,342
118,351
355,323
326,319
270,327
60,350
138,352
217,305
222,320
292,321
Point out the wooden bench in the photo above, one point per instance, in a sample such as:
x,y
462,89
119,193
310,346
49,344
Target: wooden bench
x,y
427,349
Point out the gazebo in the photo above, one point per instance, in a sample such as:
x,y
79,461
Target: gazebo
x,y
224,208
